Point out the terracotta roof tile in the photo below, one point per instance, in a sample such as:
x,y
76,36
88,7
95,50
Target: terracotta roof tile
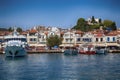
x,y
112,33
33,31
78,32
24,32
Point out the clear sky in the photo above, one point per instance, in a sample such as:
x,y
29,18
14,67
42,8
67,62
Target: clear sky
x,y
56,13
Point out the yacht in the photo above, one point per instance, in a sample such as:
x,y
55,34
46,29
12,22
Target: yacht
x,y
15,44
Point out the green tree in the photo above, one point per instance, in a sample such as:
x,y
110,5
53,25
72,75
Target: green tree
x,y
19,29
54,40
109,24
10,29
95,26
81,24
114,27
100,21
93,20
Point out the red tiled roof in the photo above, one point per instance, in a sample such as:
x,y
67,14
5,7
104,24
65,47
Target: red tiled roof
x,y
78,32
61,32
112,33
46,32
99,35
24,32
33,31
3,33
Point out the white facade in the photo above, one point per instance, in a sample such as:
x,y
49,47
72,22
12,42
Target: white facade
x,y
53,31
32,38
42,38
88,38
111,38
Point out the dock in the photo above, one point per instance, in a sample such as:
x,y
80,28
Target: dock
x,y
40,51
114,51
44,51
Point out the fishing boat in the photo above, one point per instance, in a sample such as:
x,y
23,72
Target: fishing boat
x,y
15,44
101,50
87,49
71,52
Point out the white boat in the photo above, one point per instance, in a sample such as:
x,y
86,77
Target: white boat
x,y
87,49
15,44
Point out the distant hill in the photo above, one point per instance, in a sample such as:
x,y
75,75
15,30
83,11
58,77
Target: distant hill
x,y
3,29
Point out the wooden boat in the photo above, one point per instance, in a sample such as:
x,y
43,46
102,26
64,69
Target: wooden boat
x,y
87,49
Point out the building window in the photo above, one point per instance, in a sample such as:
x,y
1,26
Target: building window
x,y
70,40
66,40
101,39
78,39
113,38
87,39
30,39
108,39
33,39
96,39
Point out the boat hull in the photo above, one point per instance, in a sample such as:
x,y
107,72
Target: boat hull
x,y
70,52
14,51
87,52
101,51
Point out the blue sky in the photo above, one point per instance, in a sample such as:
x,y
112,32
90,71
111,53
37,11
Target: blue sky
x,y
57,13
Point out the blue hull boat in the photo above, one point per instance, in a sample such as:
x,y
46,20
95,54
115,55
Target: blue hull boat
x,y
13,51
101,51
70,52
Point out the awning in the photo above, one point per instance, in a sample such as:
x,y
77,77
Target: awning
x,y
112,44
66,45
102,45
37,45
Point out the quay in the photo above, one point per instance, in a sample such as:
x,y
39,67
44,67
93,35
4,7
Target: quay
x,y
56,51
114,51
40,51
44,51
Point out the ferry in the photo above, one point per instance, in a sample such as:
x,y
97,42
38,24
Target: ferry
x,y
15,44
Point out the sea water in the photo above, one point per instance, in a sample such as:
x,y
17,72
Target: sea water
x,y
60,67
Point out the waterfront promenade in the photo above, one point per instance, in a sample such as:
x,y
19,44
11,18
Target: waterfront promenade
x,y
44,51
41,51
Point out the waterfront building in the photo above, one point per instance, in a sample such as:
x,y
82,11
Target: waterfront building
x,y
1,38
111,40
88,38
53,31
99,38
78,38
42,38
37,37
68,39
32,37
2,35
118,37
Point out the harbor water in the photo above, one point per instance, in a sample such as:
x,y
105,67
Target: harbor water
x,y
60,67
